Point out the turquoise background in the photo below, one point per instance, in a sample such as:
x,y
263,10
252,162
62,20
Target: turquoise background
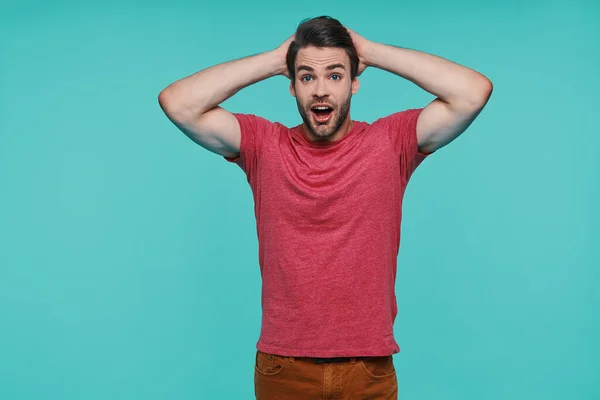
x,y
128,254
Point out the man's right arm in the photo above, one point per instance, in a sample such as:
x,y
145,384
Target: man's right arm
x,y
192,103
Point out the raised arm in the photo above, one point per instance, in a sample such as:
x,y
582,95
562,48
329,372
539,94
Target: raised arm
x,y
461,92
192,103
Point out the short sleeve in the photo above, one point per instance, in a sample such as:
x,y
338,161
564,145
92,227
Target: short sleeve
x,y
401,128
253,131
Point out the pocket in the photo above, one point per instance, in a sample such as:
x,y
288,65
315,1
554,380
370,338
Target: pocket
x,y
379,368
268,364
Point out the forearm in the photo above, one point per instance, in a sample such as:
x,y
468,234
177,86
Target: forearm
x,y
206,89
451,82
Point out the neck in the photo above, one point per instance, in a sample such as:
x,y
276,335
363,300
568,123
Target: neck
x,y
341,132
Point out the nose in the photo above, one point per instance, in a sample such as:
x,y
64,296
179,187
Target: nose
x,y
320,88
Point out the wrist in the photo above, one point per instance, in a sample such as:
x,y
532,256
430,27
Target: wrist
x,y
275,61
368,54
278,62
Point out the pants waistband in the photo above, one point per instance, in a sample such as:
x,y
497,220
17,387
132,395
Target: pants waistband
x,y
327,360
333,360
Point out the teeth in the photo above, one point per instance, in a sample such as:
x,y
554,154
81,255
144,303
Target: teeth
x,y
322,108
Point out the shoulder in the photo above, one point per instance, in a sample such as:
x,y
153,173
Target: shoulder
x,y
399,119
255,123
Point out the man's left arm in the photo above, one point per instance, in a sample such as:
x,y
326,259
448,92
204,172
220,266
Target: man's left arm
x,y
461,92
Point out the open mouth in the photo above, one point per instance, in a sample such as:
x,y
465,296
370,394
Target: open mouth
x,y
322,113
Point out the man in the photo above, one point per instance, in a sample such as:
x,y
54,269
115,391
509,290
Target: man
x,y
328,197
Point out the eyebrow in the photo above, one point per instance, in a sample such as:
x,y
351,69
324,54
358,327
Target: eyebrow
x,y
329,67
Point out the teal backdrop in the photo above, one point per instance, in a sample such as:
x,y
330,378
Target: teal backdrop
x,y
129,256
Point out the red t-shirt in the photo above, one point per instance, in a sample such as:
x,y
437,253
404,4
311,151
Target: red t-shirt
x,y
328,223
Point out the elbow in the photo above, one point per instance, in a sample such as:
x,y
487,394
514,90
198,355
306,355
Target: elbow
x,y
165,100
487,87
482,91
476,97
178,108
171,106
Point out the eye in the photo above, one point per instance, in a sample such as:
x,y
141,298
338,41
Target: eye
x,y
304,78
336,75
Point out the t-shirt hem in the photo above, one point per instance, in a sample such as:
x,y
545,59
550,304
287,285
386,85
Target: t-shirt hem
x,y
293,352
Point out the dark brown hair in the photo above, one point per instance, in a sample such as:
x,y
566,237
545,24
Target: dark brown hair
x,y
321,31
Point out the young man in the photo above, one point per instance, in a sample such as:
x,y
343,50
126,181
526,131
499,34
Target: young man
x,y
328,197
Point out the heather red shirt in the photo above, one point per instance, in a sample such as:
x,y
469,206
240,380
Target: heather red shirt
x,y
328,223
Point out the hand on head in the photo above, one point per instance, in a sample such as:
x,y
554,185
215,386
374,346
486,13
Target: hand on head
x,y
360,44
282,52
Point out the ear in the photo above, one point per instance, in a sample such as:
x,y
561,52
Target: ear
x,y
355,85
292,89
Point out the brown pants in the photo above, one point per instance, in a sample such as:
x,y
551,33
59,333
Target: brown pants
x,y
302,378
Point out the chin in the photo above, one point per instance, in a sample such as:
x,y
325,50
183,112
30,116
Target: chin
x,y
322,131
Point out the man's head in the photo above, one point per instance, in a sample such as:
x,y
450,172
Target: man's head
x,y
323,64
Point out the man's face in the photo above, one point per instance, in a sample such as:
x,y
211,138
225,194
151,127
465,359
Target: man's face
x,y
323,89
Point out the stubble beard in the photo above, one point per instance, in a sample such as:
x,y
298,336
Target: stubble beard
x,y
325,131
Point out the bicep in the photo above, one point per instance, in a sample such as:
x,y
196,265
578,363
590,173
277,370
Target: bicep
x,y
216,130
440,123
